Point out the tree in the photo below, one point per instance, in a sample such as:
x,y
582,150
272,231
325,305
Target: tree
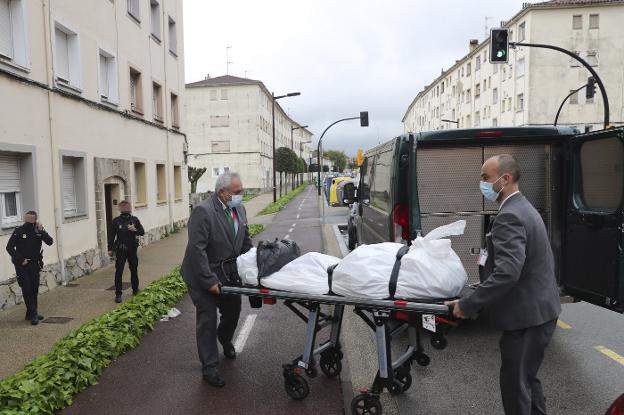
x,y
194,174
285,162
339,158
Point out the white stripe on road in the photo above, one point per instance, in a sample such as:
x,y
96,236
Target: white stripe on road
x,y
297,216
286,237
290,230
294,224
243,334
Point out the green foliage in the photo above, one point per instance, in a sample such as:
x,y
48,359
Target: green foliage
x,y
285,160
248,196
49,383
338,157
255,229
194,174
282,201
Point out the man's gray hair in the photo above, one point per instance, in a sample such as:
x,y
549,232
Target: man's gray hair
x,y
225,180
508,164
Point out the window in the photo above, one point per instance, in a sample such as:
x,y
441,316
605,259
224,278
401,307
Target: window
x,y
509,104
226,170
157,106
173,37
521,32
594,21
66,56
219,121
175,111
155,18
213,94
215,172
477,90
468,69
520,102
592,57
134,10
222,146
108,77
478,63
380,191
13,32
494,95
177,180
10,187
574,62
161,184
468,95
477,119
136,91
504,73
520,68
73,186
601,180
577,22
468,123
224,96
574,97
140,184
494,122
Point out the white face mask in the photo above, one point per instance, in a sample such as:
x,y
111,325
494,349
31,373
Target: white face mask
x,y
236,200
487,189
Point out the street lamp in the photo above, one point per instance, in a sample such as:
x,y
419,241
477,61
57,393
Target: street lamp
x,y
363,123
275,98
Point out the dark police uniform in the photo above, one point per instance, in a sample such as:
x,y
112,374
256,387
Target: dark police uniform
x,y
25,243
124,243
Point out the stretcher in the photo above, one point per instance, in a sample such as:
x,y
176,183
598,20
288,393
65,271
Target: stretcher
x,y
387,318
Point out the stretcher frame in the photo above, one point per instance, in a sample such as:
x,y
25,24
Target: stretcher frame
x,y
393,375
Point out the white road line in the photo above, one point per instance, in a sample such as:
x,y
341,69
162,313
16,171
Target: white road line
x,y
286,237
243,334
290,230
294,224
298,216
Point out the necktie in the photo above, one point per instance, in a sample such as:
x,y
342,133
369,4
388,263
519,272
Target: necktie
x,y
228,212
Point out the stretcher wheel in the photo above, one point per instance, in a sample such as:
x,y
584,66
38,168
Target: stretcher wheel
x,y
404,377
365,404
296,387
438,341
311,372
330,365
423,360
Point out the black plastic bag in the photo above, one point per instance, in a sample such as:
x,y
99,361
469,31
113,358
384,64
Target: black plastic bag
x,y
272,256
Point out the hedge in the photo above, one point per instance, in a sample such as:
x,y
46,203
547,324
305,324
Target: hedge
x,y
75,362
255,229
280,203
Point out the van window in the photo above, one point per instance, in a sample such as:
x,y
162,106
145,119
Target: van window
x,y
601,174
380,192
364,192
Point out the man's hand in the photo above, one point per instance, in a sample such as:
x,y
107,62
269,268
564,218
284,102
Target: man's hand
x,y
110,253
132,228
39,226
457,311
25,262
215,289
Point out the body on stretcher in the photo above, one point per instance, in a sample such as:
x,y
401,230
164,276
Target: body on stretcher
x,y
393,375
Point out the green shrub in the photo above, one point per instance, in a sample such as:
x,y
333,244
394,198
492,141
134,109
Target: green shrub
x,y
75,362
282,201
255,229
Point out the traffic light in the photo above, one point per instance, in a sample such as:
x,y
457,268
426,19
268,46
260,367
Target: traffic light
x,y
499,45
364,119
590,90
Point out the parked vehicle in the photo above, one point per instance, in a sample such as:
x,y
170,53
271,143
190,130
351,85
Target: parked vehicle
x,y
419,181
333,194
345,187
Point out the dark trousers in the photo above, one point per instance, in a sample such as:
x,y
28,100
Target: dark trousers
x,y
207,331
28,280
122,256
522,353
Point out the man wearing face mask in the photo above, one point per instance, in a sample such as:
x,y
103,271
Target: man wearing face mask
x,y
217,234
519,294
24,246
123,240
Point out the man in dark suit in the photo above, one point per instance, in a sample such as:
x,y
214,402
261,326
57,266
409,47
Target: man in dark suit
x,y
519,294
24,246
217,234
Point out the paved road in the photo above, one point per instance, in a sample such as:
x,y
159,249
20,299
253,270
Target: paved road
x,y
162,375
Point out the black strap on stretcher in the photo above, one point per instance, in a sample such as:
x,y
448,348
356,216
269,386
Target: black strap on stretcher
x,y
394,276
330,277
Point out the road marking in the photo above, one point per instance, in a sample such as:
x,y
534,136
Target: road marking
x,y
563,325
243,335
290,230
298,216
610,353
294,224
286,237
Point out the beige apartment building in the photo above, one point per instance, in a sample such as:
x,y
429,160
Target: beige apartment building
x,y
529,89
92,93
229,128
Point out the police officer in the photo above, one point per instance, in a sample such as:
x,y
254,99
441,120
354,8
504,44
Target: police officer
x,y
24,246
123,240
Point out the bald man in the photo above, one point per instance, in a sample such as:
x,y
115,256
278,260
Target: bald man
x,y
519,294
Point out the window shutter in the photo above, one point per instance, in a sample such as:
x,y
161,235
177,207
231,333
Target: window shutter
x,y
69,193
62,55
9,173
6,31
104,88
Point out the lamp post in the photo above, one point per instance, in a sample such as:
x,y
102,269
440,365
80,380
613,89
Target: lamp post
x,y
275,98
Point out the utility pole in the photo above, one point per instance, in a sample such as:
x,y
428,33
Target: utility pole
x,y
227,59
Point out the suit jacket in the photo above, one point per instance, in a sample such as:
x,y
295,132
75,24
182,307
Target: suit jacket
x,y
521,289
211,240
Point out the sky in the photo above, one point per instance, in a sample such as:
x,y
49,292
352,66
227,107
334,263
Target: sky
x,y
343,56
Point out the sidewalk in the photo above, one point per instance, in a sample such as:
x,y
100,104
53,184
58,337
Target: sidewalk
x,y
20,342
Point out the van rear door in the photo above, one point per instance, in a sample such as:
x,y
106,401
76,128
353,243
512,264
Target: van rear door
x,y
593,258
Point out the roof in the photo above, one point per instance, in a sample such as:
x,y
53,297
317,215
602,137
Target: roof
x,y
224,80
499,132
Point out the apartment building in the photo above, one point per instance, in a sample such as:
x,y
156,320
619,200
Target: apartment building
x,y
230,127
92,93
530,88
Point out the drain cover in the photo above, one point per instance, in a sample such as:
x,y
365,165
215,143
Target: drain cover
x,y
124,286
57,320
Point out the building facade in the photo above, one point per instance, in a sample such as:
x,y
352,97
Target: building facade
x,y
229,127
528,90
92,97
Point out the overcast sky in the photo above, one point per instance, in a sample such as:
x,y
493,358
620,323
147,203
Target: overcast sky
x,y
343,56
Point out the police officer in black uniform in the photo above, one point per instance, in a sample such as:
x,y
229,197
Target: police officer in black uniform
x,y
123,240
24,246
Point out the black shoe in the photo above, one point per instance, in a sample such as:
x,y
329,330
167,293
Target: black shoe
x,y
213,378
229,351
34,321
118,298
39,317
135,292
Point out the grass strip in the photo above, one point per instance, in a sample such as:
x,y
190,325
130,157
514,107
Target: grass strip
x,y
255,229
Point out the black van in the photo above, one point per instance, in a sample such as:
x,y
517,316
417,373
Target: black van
x,y
419,181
